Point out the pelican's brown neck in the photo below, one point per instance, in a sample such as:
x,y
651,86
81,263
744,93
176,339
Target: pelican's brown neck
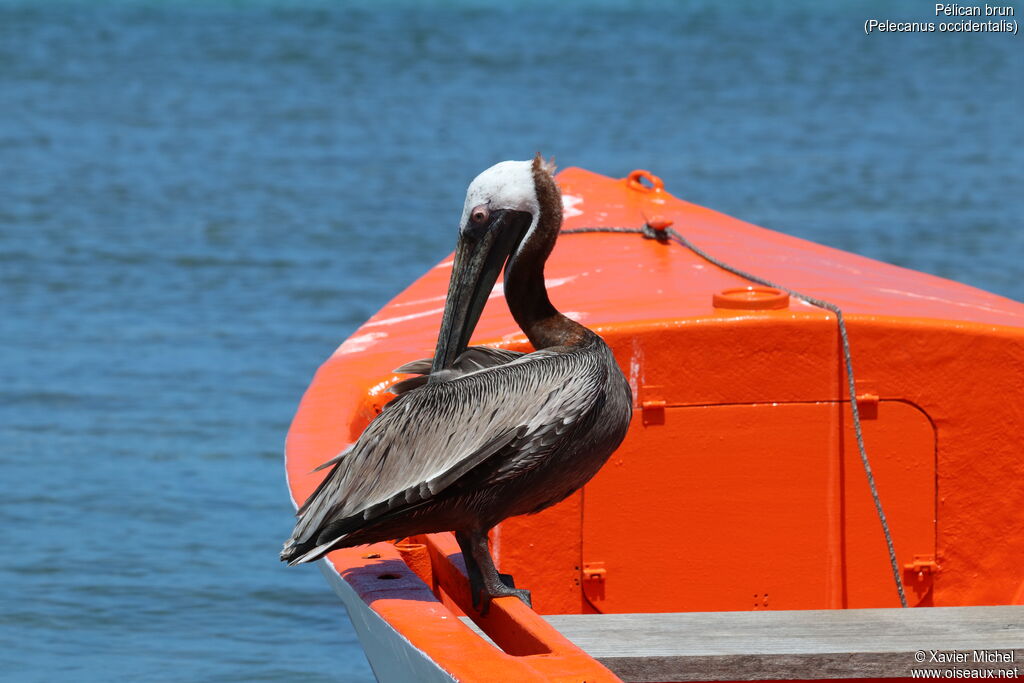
x,y
525,291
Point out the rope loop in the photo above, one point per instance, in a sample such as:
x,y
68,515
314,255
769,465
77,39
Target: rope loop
x,y
644,181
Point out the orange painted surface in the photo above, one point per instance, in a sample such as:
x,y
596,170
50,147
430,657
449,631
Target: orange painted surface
x,y
531,650
739,485
761,531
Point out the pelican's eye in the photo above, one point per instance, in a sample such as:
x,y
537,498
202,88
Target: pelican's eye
x,y
480,214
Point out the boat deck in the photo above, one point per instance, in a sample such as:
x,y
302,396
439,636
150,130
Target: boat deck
x,y
798,644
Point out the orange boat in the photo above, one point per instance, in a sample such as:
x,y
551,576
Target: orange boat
x,y
734,534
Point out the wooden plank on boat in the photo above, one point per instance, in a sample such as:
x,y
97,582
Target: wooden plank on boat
x,y
803,644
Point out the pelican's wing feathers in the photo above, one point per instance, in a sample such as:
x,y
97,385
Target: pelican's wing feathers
x,y
472,359
426,439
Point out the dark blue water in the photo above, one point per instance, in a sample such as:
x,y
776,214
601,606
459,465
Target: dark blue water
x,y
200,200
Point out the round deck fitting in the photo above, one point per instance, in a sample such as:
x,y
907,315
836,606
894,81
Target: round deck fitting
x,y
751,298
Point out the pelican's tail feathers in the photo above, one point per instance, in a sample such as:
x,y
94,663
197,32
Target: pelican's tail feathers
x,y
366,526
299,553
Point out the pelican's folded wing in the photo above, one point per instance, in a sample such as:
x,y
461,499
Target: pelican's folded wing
x,y
428,438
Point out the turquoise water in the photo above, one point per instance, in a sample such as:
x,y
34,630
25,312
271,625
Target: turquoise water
x,y
200,200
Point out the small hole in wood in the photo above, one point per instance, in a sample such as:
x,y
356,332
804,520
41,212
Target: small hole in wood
x,y
388,577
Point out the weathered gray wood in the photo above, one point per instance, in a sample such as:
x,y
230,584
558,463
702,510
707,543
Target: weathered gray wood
x,y
805,644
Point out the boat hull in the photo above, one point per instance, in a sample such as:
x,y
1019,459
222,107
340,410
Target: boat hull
x,y
739,485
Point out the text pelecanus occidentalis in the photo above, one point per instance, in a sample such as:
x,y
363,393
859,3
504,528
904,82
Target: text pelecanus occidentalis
x,y
485,433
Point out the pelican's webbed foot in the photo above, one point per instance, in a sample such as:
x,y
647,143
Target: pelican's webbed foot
x,y
485,583
520,593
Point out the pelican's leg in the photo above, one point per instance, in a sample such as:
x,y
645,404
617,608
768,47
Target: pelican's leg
x,y
476,582
491,585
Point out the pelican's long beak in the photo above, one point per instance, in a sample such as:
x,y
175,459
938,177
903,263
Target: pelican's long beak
x,y
479,256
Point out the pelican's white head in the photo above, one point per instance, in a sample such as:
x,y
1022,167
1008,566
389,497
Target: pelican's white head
x,y
501,212
507,185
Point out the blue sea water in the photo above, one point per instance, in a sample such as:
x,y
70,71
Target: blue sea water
x,y
200,200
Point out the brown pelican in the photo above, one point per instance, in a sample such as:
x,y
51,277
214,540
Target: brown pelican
x,y
483,434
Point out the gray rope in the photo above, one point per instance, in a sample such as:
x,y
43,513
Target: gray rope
x,y
663,235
